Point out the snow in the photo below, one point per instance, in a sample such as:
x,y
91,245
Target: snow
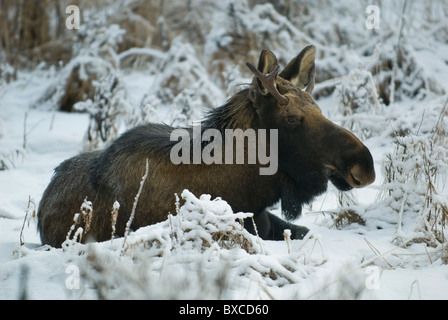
x,y
180,257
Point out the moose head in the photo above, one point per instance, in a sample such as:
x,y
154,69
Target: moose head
x,y
312,149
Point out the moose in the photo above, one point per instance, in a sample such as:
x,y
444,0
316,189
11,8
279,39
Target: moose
x,y
311,152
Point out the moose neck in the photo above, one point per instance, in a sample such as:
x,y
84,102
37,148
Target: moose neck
x,y
238,113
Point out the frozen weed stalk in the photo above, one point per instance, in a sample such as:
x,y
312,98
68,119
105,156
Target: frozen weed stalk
x,y
81,223
114,216
30,215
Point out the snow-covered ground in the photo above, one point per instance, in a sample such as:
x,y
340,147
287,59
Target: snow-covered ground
x,y
377,260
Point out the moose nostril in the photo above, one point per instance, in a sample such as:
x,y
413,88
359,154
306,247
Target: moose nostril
x,y
356,174
359,177
355,180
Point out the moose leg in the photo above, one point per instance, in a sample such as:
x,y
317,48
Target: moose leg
x,y
271,227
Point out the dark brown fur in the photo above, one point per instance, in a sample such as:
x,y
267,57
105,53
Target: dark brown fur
x,y
312,151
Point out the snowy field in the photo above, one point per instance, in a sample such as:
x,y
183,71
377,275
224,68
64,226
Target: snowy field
x,y
387,241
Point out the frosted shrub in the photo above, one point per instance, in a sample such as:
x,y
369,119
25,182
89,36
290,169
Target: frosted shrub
x,y
181,69
359,104
186,108
399,73
107,110
182,89
148,111
94,57
239,30
198,224
414,189
100,40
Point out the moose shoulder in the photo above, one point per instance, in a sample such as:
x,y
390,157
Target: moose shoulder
x,y
309,149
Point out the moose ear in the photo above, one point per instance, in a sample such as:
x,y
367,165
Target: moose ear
x,y
300,70
267,63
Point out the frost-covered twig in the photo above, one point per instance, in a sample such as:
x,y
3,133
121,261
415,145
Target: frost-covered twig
x,y
114,216
142,51
81,223
402,23
376,251
29,214
287,235
134,206
440,131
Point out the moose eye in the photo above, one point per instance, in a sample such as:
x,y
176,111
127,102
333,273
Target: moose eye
x,y
294,120
291,119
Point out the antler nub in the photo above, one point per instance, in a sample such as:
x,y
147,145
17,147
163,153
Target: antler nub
x,y
268,81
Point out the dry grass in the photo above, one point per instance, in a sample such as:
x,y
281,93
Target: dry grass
x,y
346,214
346,218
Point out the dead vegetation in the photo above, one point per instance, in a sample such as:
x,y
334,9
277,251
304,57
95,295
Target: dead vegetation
x,y
347,217
414,184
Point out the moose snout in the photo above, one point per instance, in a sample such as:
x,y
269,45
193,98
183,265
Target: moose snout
x,y
358,162
359,176
350,159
